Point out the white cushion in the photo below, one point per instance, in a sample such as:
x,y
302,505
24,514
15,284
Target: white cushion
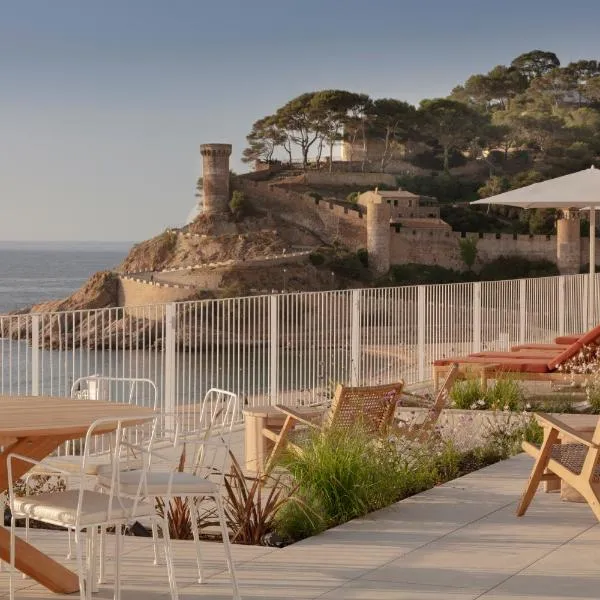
x,y
184,484
61,507
72,464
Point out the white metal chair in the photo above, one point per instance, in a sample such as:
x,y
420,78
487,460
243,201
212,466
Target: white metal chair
x,y
126,390
83,509
205,457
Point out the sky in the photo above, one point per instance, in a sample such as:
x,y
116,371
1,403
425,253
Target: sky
x,y
103,104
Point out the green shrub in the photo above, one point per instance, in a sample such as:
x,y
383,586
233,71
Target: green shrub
x,y
316,259
341,475
352,197
468,395
239,204
414,274
516,267
363,255
505,394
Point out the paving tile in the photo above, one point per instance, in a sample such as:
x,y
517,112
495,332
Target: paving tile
x,y
385,590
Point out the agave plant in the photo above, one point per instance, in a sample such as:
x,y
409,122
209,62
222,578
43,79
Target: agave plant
x,y
250,509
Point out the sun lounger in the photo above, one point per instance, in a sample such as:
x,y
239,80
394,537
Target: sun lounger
x,y
537,364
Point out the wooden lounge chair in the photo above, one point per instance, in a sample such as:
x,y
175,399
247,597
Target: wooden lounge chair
x,y
542,364
575,462
372,406
420,432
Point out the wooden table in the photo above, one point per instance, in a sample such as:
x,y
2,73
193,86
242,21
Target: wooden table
x,y
257,447
35,426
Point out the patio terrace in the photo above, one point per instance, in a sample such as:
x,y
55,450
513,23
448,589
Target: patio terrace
x,y
459,541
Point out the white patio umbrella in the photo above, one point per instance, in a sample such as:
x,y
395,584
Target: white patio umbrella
x,y
580,190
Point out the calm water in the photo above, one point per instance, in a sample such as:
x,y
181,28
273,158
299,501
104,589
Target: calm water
x,y
35,272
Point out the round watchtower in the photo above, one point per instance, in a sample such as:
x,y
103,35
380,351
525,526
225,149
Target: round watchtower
x,y
215,177
568,243
379,214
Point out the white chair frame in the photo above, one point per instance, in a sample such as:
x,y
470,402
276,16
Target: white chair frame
x,y
123,515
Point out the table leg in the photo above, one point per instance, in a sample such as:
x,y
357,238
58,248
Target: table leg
x,y
28,559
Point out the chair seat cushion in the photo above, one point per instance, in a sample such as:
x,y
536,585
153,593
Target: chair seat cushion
x,y
72,464
60,508
183,484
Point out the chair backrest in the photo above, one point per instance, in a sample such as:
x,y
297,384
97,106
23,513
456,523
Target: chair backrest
x,y
201,437
132,439
591,337
218,411
135,391
139,391
373,407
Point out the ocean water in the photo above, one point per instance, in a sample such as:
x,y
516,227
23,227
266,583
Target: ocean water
x,y
32,272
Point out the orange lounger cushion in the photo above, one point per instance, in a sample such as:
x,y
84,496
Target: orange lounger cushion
x,y
557,347
567,339
546,354
508,364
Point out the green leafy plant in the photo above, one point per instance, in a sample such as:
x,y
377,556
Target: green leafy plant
x,y
239,204
467,395
341,475
468,251
505,394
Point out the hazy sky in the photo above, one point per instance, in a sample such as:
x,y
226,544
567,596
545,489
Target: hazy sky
x,y
103,103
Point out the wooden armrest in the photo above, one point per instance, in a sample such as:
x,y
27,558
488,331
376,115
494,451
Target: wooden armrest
x,y
296,415
547,420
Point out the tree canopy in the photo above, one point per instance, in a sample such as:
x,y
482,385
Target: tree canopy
x,y
530,116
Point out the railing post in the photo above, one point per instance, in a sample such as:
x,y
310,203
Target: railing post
x,y
477,316
355,352
421,331
522,310
585,302
561,304
35,355
274,348
170,378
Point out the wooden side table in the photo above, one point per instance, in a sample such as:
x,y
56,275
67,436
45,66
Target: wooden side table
x,y
257,446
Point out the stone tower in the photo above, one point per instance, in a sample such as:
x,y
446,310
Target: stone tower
x,y
379,213
215,177
568,243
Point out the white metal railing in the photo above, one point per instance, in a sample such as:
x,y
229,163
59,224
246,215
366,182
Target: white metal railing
x,y
288,348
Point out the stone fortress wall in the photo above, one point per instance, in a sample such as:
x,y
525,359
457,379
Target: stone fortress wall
x,y
349,224
373,224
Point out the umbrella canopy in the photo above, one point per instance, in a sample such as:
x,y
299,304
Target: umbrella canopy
x,y
576,190
580,190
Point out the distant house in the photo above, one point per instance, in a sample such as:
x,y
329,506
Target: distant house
x,y
408,209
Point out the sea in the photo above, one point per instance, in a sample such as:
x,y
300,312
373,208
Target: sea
x,y
33,272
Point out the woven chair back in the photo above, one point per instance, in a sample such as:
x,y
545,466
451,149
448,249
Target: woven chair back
x,y
373,407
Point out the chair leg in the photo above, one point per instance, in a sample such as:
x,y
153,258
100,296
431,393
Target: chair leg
x,y
117,593
227,546
11,570
536,473
80,565
280,444
102,554
155,542
194,516
169,559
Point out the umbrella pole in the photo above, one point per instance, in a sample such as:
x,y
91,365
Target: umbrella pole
x,y
591,283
